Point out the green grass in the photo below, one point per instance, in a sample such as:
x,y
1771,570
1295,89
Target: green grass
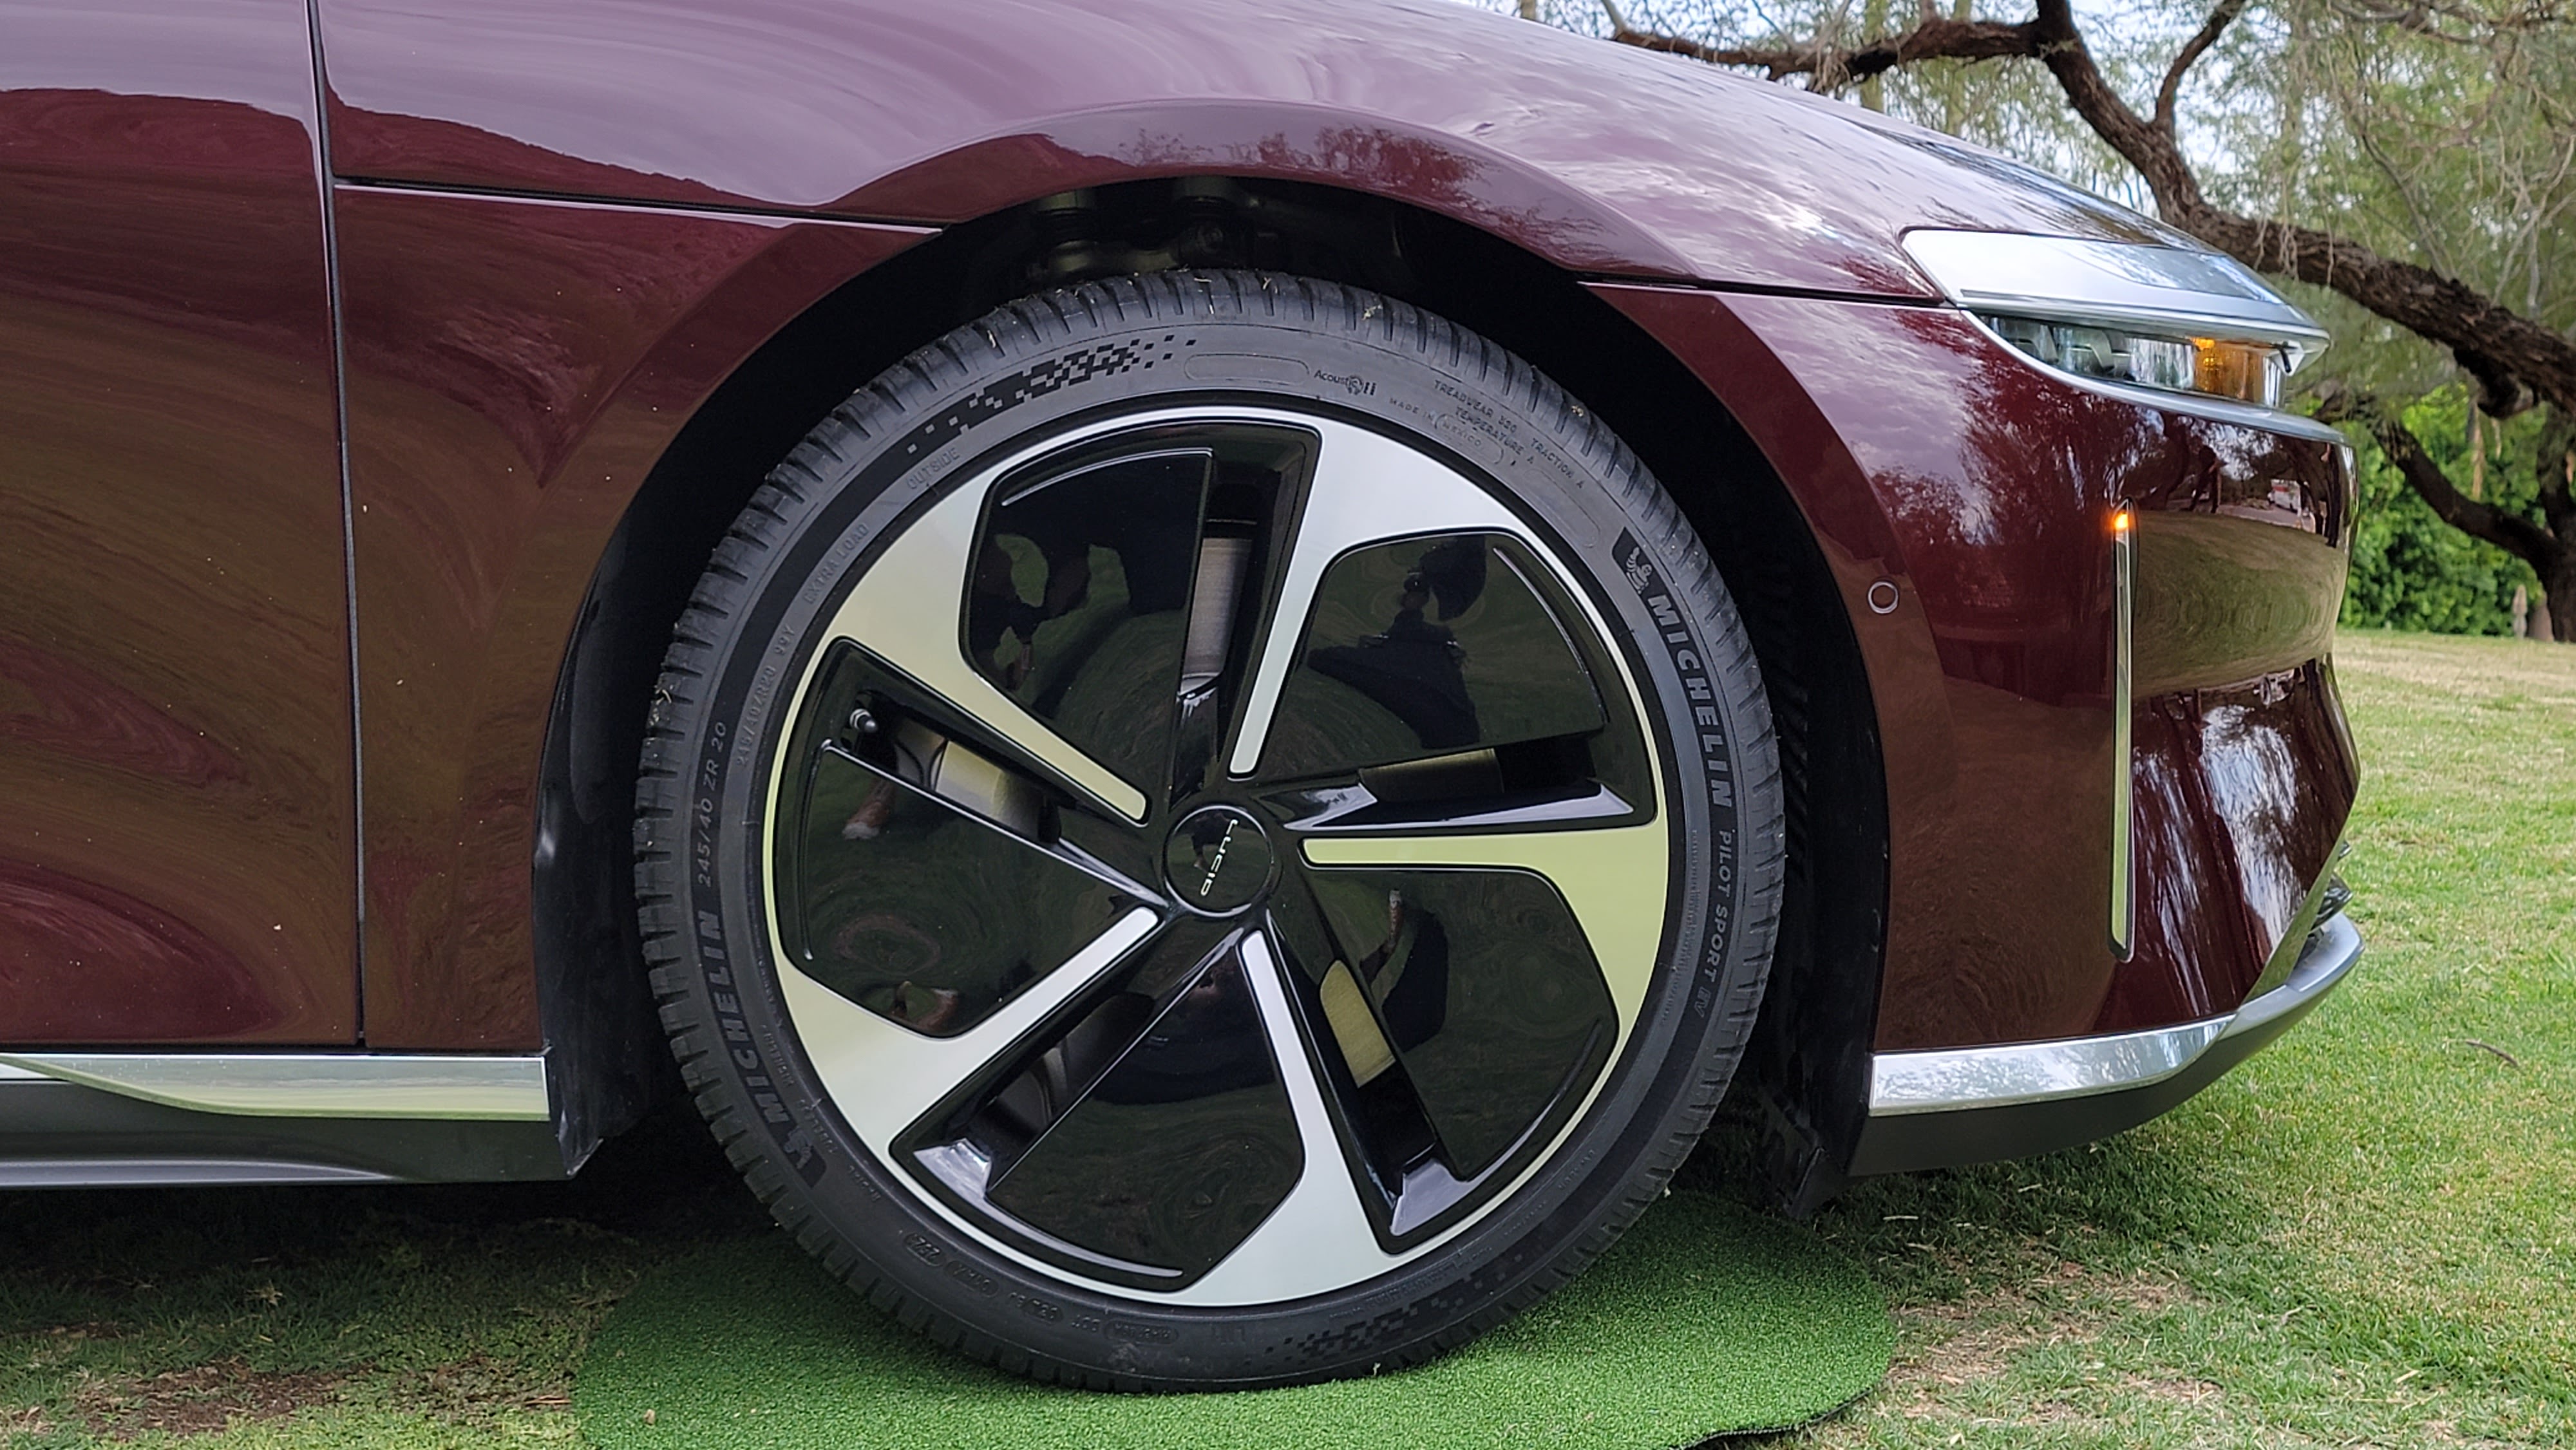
x,y
2366,1235
395,1317
746,1347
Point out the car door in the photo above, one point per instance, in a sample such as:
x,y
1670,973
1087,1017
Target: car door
x,y
177,794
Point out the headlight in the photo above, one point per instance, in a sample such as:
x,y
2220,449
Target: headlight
x,y
2147,316
2249,371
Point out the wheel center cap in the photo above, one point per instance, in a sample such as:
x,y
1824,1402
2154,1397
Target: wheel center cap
x,y
1218,860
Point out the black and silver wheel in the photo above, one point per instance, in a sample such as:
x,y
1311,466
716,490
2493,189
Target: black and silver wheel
x,y
1209,830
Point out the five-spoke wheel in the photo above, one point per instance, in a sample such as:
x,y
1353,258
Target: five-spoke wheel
x,y
1209,831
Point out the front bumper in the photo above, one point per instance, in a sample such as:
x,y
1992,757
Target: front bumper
x,y
1979,1104
2091,877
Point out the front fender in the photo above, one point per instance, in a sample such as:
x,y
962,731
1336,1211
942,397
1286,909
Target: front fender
x,y
1603,159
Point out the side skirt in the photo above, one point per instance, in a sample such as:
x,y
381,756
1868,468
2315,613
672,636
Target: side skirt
x,y
134,1119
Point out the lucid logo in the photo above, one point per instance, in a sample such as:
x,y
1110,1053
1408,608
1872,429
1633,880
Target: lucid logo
x,y
1217,860
1216,863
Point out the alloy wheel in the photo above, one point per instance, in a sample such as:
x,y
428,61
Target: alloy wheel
x,y
1218,853
1208,830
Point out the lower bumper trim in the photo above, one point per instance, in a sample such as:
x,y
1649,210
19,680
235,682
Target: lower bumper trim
x,y
1903,1083
1974,1105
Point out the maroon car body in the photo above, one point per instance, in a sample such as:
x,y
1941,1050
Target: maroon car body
x,y
374,376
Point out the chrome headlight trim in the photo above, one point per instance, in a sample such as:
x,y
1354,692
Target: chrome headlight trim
x,y
2166,291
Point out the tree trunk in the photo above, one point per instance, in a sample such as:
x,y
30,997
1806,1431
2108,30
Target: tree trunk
x,y
2558,505
2549,547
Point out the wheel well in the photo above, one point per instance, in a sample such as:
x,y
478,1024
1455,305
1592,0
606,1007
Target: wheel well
x,y
1808,1065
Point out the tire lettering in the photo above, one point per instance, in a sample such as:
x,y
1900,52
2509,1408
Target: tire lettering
x,y
1639,570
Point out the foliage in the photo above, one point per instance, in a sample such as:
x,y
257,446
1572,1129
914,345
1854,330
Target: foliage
x,y
2438,135
2443,134
2412,571
2359,1237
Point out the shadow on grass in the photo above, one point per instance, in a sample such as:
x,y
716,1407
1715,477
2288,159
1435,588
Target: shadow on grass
x,y
2128,1201
138,1309
68,1257
131,1249
469,1302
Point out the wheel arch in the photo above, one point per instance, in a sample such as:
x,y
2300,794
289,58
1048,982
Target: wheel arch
x,y
1809,1058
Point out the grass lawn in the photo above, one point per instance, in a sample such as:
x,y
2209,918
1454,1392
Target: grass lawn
x,y
2367,1235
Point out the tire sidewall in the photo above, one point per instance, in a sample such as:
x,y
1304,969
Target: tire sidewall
x,y
1032,372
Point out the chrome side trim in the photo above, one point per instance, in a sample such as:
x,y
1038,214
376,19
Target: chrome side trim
x,y
308,1084
173,1173
1953,1079
20,1074
2124,869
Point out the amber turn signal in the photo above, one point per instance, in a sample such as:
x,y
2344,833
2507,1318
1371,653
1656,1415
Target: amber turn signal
x,y
2248,372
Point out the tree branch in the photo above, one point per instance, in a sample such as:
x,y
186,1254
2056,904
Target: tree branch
x,y
1935,38
2192,50
2423,17
2558,496
2511,356
2512,533
2515,359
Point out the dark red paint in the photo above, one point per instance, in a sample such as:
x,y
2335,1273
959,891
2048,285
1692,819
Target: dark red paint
x,y
516,367
2241,795
179,859
177,851
1983,488
1599,158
